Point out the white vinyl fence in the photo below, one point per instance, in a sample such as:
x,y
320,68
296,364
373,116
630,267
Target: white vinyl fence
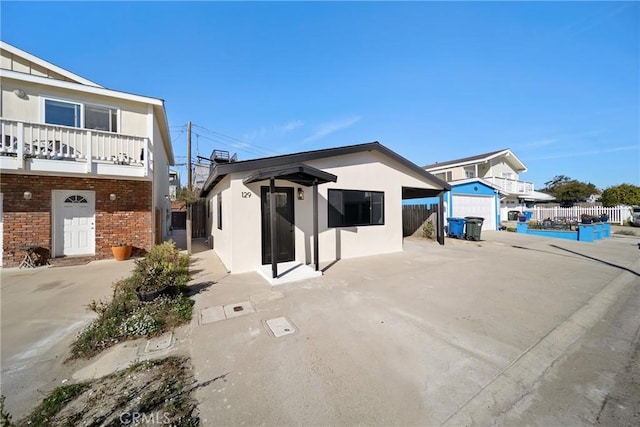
x,y
617,215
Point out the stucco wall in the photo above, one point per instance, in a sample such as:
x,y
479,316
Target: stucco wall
x,y
222,241
160,176
239,244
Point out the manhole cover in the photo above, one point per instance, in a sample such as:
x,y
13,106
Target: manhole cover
x,y
238,309
280,326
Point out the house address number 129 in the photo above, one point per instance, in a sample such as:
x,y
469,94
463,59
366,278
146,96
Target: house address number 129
x,y
246,194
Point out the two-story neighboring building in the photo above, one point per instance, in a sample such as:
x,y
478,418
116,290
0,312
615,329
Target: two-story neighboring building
x,y
498,190
174,184
83,167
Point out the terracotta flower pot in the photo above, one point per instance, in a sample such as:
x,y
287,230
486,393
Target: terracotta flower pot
x,y
120,253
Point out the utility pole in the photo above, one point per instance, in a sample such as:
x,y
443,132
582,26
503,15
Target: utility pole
x,y
189,187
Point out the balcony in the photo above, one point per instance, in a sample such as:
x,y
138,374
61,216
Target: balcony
x,y
36,147
512,186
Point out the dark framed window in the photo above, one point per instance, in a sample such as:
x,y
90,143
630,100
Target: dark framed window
x,y
348,208
68,114
220,211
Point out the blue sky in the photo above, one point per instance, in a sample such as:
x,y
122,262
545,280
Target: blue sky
x,y
558,83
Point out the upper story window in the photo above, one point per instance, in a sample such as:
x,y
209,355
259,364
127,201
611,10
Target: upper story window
x,y
62,113
80,115
508,175
445,176
469,174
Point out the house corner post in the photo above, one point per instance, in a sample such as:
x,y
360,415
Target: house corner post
x,y
273,223
316,245
441,218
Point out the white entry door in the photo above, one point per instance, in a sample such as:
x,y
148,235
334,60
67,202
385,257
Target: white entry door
x,y
74,214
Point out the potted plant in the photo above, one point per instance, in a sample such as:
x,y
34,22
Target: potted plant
x,y
121,251
162,271
604,218
586,219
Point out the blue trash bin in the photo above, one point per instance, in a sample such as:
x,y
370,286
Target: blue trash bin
x,y
456,227
528,215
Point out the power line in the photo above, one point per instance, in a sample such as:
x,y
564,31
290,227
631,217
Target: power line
x,y
234,146
244,144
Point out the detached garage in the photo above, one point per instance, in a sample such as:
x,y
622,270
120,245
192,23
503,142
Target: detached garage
x,y
474,197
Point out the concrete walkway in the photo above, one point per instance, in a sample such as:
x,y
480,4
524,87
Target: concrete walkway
x,y
434,335
41,311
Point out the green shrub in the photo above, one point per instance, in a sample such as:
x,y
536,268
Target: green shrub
x,y
126,317
162,267
427,229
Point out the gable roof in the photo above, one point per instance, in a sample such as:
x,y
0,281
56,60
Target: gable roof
x,y
14,51
478,180
222,169
480,158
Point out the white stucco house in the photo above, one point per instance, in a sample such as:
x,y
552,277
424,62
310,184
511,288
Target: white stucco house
x,y
497,171
83,167
312,207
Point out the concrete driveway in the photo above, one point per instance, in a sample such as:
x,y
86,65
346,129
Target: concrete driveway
x,y
41,311
434,335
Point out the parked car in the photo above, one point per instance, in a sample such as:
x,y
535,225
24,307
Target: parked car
x,y
635,216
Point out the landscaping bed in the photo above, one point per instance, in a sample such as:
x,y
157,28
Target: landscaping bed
x,y
150,302
155,392
164,273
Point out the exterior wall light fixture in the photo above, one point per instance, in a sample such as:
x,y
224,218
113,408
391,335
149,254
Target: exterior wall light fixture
x,y
112,196
300,194
27,195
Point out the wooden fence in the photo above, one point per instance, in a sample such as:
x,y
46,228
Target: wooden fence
x,y
617,215
413,216
199,219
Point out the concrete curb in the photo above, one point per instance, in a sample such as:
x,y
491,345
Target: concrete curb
x,y
520,377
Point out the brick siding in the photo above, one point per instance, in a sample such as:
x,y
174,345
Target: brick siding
x,y
28,222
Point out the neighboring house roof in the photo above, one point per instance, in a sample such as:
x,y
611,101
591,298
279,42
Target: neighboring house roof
x,y
535,196
480,180
45,64
480,158
223,169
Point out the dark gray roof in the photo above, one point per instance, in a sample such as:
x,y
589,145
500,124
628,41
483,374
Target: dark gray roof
x,y
299,173
464,159
221,170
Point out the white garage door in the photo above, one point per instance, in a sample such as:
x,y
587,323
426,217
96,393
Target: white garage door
x,y
482,206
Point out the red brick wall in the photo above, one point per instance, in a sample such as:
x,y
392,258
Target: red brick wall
x,y
28,222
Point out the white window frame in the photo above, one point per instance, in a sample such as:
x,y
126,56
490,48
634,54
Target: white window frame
x,y
45,98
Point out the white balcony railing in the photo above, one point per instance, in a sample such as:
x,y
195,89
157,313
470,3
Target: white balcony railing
x,y
512,186
23,145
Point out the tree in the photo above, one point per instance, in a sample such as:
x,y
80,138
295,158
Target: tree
x,y
623,194
568,191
